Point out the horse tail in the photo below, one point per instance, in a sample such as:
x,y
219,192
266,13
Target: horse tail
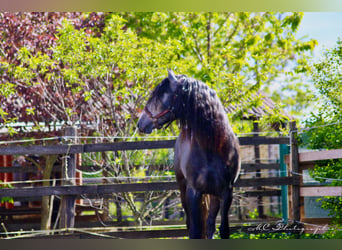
x,y
205,212
236,166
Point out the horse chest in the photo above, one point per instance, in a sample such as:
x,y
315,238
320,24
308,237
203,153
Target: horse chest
x,y
190,160
182,157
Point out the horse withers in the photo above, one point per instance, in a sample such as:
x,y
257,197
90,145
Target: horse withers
x,y
207,160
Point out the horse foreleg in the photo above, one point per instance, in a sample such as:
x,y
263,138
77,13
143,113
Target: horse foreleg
x,y
182,188
227,201
193,200
214,207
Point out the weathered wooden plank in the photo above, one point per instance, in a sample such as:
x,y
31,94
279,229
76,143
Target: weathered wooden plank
x,y
306,165
308,157
263,140
56,168
320,155
28,169
42,191
153,234
256,166
144,234
41,150
87,189
321,191
262,193
134,187
137,187
67,206
317,221
120,146
295,169
19,211
269,181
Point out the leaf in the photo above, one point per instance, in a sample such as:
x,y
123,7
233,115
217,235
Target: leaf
x,y
30,111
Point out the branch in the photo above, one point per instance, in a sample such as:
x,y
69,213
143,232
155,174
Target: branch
x,y
162,198
50,99
232,34
197,49
222,24
209,37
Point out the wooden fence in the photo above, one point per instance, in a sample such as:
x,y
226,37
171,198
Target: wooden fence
x,y
306,160
70,192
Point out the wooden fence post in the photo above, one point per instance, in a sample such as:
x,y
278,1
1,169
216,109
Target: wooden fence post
x,y
260,206
67,207
295,171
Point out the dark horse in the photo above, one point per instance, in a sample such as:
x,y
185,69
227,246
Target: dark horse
x,y
207,160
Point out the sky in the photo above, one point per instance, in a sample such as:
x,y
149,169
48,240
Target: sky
x,y
325,27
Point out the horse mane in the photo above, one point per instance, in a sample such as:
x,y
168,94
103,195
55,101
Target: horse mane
x,y
202,113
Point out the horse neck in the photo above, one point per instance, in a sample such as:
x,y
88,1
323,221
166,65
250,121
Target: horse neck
x,y
204,119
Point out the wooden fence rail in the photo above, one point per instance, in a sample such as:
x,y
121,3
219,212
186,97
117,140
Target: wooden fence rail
x,y
248,167
132,187
306,160
120,146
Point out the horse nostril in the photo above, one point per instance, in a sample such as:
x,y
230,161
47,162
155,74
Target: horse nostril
x,y
139,126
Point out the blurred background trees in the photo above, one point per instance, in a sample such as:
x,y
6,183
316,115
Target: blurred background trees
x,y
96,67
323,128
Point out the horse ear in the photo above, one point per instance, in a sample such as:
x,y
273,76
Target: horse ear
x,y
173,80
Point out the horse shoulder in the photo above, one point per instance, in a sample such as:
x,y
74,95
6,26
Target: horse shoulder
x,y
182,155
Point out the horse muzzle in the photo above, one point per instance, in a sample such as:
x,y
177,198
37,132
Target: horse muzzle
x,y
145,124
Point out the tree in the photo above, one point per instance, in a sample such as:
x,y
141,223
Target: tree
x,y
19,101
35,32
325,127
96,81
239,54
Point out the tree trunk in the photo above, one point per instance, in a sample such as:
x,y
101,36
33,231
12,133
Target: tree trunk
x,y
47,201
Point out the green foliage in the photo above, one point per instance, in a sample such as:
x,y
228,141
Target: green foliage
x,y
6,90
253,214
237,53
328,76
6,199
331,234
112,70
325,127
334,205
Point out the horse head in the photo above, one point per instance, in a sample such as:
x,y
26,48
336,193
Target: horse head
x,y
160,108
